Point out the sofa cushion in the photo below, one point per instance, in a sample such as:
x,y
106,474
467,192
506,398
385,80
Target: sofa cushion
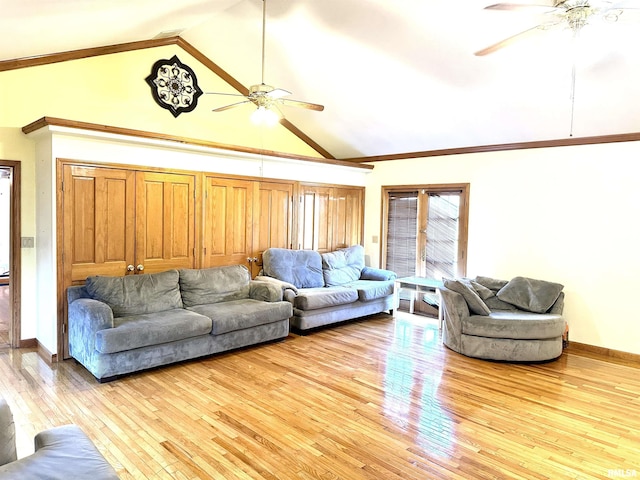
x,y
342,266
302,268
240,314
137,331
137,294
315,298
464,288
530,294
515,325
371,289
213,285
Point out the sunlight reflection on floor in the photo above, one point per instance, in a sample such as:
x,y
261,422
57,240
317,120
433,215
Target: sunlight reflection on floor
x,y
411,395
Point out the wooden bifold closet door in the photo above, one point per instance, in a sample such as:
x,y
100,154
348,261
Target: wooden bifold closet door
x,y
242,218
119,222
98,222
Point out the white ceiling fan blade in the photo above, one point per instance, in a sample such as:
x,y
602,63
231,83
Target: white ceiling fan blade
x,y
522,6
508,41
307,105
233,105
277,93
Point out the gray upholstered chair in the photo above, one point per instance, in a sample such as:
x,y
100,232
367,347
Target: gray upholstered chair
x,y
517,320
61,453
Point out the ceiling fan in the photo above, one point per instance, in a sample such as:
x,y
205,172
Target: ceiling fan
x,y
572,14
265,97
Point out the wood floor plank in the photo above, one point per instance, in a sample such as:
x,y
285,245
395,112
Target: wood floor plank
x,y
374,399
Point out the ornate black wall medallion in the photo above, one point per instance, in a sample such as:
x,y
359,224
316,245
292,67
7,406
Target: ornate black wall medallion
x,y
174,86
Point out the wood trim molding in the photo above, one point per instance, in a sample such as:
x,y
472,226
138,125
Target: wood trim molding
x,y
48,59
59,122
607,352
562,142
28,343
46,355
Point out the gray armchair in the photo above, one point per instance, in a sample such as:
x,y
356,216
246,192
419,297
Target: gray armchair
x,y
519,320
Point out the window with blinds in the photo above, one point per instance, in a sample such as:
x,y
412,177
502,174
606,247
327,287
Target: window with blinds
x,y
440,253
402,226
425,230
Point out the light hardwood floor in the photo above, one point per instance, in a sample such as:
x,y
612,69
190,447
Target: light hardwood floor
x,y
376,399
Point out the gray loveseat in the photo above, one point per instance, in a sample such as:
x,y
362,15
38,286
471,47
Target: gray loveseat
x,y
516,320
61,453
330,287
119,325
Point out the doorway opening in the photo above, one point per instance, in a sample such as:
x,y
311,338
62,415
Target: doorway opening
x,y
9,254
425,235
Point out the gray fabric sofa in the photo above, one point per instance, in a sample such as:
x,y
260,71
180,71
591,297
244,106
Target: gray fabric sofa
x,y
330,287
516,320
61,453
118,325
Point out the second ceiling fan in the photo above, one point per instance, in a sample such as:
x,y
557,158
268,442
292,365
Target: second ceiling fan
x,y
571,14
266,98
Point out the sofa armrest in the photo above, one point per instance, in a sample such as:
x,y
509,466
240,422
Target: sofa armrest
x,y
280,283
454,309
265,291
7,434
61,453
86,316
380,274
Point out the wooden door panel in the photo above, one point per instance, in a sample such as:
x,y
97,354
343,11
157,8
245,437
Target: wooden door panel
x,y
227,221
347,218
165,221
315,219
273,219
98,212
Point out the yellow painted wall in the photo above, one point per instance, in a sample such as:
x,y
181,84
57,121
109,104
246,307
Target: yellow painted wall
x,y
111,90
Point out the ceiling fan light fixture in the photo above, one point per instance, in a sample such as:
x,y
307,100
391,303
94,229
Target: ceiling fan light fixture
x,y
264,116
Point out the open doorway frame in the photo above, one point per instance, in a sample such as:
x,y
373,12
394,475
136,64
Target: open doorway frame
x,y
15,278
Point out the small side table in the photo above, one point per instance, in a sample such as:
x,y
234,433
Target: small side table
x,y
416,285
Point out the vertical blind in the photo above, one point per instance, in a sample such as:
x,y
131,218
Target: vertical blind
x,y
440,255
402,233
437,255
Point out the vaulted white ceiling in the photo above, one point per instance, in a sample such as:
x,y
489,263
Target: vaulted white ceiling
x,y
394,76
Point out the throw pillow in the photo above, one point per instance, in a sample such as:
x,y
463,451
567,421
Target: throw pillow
x,y
529,294
481,290
464,288
491,283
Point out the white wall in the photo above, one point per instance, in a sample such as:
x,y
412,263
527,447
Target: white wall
x,y
564,214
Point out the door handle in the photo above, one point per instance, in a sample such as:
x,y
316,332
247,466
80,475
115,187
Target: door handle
x,y
130,268
249,259
140,267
